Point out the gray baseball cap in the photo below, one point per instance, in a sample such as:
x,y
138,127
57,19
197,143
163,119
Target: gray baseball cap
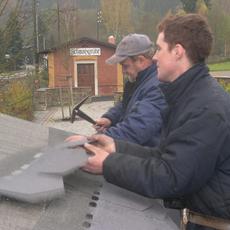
x,y
130,45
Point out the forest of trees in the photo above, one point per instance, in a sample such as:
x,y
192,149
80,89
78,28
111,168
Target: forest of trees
x,y
41,24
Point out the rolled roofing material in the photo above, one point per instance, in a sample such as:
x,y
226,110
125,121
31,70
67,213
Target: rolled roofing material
x,y
31,187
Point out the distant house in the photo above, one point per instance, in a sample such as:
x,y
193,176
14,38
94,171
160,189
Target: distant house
x,y
82,64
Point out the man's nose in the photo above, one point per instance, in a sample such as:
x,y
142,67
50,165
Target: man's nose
x,y
154,58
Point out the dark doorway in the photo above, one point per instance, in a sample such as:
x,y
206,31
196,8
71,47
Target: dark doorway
x,y
85,76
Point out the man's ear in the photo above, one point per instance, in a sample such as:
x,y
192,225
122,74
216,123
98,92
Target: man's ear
x,y
141,58
179,51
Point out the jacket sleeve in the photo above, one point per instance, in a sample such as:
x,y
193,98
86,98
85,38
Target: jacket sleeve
x,y
182,165
114,114
143,121
134,149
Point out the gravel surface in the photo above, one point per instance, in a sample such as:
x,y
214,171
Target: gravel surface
x,y
52,117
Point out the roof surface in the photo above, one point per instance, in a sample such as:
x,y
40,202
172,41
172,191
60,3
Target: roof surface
x,y
77,41
89,201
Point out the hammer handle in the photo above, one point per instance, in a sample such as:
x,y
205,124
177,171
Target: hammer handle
x,y
85,116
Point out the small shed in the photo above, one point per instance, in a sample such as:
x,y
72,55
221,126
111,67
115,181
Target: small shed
x,y
81,63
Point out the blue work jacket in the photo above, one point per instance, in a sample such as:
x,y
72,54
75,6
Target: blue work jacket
x,y
138,119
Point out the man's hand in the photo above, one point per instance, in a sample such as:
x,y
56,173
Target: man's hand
x,y
102,124
104,142
76,138
95,163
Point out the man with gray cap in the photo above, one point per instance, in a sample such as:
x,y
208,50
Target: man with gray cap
x,y
137,118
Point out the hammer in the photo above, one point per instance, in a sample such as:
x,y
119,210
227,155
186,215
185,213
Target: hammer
x,y
76,111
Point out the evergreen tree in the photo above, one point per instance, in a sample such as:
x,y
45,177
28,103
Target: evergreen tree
x,y
189,5
192,6
13,41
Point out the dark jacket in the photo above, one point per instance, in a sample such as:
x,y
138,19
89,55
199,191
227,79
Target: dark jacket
x,y
192,162
142,104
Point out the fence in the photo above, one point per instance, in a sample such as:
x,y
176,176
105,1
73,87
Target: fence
x,y
48,97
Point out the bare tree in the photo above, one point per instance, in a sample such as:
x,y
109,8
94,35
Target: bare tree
x,y
3,4
219,21
69,20
225,5
117,16
202,7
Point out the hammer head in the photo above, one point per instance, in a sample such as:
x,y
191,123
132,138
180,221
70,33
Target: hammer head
x,y
76,111
76,108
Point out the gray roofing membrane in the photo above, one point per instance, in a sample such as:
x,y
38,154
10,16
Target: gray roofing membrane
x,y
78,200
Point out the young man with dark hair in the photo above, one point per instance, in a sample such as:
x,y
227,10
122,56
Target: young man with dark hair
x,y
191,166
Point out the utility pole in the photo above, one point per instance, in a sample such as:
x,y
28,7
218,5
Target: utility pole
x,y
37,29
99,21
99,17
58,23
35,41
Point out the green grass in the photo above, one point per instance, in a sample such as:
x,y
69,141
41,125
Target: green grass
x,y
222,66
